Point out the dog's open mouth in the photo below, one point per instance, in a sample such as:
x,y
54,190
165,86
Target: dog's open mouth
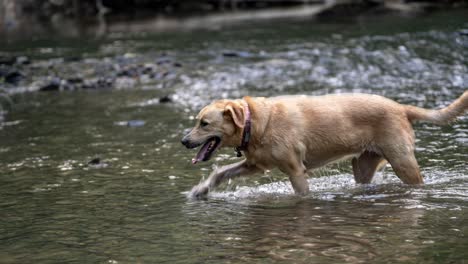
x,y
207,149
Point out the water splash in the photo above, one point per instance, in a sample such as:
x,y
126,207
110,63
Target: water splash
x,y
4,99
438,185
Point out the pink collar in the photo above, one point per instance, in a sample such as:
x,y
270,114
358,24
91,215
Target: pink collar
x,y
246,133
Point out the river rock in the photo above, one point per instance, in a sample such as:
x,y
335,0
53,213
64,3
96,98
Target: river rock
x,y
94,161
463,32
52,85
13,77
23,60
75,80
7,60
239,54
165,99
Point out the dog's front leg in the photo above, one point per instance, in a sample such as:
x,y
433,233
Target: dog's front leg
x,y
297,175
220,174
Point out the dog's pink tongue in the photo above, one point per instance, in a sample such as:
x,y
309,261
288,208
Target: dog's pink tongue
x,y
201,153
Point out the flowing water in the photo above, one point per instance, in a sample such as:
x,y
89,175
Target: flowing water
x,y
130,207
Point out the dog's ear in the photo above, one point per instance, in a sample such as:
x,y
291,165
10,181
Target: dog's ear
x,y
236,112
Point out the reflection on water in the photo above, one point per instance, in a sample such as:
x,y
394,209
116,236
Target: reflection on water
x,y
100,176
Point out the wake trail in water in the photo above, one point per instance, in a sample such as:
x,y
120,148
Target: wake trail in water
x,y
438,184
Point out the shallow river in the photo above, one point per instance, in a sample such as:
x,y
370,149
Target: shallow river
x,y
130,207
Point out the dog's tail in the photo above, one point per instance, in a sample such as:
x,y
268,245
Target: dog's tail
x,y
441,116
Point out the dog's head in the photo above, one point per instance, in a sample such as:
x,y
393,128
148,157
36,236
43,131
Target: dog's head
x,y
218,125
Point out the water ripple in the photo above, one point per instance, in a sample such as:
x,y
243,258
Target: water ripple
x,y
398,66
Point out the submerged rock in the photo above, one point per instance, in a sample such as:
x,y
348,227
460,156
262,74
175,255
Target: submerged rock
x,y
75,80
96,163
23,60
53,85
98,83
120,72
13,77
165,99
239,54
7,60
463,32
10,61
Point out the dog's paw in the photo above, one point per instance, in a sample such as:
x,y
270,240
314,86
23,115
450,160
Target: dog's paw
x,y
199,192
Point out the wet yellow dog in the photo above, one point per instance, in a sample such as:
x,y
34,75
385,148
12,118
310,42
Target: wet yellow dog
x,y
299,133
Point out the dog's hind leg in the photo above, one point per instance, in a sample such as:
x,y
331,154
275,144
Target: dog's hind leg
x,y
221,174
406,168
365,166
400,155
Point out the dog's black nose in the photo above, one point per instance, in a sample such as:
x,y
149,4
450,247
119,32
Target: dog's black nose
x,y
184,141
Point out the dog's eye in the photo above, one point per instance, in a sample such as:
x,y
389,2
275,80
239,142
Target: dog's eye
x,y
203,123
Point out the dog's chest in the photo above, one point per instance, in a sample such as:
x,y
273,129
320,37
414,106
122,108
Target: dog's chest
x,y
260,158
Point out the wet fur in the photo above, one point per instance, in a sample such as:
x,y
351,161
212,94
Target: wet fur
x,y
299,133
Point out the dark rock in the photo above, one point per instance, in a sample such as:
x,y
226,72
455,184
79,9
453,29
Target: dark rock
x,y
72,59
177,64
94,161
239,54
66,86
127,72
165,99
75,80
3,72
463,32
7,60
105,83
13,77
53,85
88,85
23,60
147,70
100,83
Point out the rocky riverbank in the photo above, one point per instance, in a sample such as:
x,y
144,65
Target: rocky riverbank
x,y
20,18
21,74
193,67
179,7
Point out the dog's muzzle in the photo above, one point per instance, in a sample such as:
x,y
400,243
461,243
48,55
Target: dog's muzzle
x,y
187,143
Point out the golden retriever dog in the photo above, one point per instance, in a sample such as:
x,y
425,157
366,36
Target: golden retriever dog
x,y
299,133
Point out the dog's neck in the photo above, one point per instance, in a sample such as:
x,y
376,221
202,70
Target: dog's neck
x,y
246,133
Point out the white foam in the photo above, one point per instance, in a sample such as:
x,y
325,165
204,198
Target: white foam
x,y
438,184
